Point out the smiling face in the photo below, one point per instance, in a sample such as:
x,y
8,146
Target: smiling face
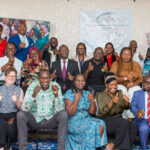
x,y
109,49
98,54
53,43
81,49
79,82
10,78
133,46
146,84
126,55
22,28
10,49
63,52
44,79
112,87
33,54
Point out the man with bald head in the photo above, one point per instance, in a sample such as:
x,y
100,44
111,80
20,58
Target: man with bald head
x,y
22,41
136,55
94,70
64,69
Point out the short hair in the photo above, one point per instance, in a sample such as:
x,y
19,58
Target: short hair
x,y
63,46
10,69
79,74
43,70
98,48
12,44
1,26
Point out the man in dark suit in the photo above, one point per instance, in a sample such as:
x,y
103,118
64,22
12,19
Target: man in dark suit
x,y
64,70
23,43
140,106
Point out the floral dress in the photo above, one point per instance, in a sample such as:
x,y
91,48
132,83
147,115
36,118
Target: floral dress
x,y
83,130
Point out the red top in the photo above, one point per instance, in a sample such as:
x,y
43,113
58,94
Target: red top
x,y
109,60
2,47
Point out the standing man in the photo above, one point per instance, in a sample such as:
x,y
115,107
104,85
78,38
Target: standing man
x,y
22,42
64,70
140,106
94,70
43,108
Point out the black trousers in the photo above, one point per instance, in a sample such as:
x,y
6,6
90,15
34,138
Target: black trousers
x,y
124,131
7,132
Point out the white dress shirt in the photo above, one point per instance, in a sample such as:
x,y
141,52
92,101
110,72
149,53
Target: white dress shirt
x,y
24,39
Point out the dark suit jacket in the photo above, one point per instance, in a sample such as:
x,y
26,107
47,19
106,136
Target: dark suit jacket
x,y
138,102
72,68
21,53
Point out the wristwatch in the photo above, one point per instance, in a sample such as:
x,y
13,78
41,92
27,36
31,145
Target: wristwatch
x,y
125,78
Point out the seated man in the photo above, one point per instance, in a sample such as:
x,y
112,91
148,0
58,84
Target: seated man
x,y
43,108
10,61
140,107
94,70
64,70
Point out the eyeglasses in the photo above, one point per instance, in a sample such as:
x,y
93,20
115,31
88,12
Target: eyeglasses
x,y
9,76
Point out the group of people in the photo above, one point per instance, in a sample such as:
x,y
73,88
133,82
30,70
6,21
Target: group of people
x,y
85,98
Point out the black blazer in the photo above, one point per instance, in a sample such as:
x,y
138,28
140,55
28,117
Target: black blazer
x,y
72,67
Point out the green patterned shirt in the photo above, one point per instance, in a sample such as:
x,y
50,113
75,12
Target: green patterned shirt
x,y
44,105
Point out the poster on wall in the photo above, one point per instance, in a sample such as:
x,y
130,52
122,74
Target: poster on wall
x,y
97,27
35,29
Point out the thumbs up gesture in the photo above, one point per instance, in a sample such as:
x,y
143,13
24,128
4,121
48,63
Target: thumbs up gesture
x,y
14,98
91,97
140,56
90,67
53,75
70,77
116,98
55,90
0,97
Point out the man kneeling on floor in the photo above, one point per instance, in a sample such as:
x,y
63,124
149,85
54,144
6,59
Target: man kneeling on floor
x,y
42,108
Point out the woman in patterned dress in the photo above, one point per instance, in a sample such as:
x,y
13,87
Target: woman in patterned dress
x,y
84,132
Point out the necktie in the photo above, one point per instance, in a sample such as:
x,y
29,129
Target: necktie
x,y
64,73
148,108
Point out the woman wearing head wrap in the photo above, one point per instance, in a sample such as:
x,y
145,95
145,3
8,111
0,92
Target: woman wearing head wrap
x,y
31,67
111,104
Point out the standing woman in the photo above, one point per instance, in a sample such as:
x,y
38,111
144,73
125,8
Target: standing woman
x,y
11,98
81,56
129,75
110,54
84,132
2,42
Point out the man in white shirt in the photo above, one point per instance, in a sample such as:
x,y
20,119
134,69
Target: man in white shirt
x,y
10,61
136,56
140,106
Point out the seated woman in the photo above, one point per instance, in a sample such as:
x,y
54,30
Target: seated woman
x,y
84,132
81,56
31,67
129,75
110,54
11,98
111,104
146,69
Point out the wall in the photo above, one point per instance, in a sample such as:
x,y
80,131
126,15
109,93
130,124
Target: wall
x,y
64,16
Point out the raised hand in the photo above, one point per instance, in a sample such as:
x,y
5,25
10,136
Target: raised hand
x,y
91,96
70,77
29,60
77,95
53,75
140,114
116,98
140,56
14,98
36,90
0,97
90,67
55,90
130,77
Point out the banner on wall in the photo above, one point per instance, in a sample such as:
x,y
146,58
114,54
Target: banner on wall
x,y
35,29
97,27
